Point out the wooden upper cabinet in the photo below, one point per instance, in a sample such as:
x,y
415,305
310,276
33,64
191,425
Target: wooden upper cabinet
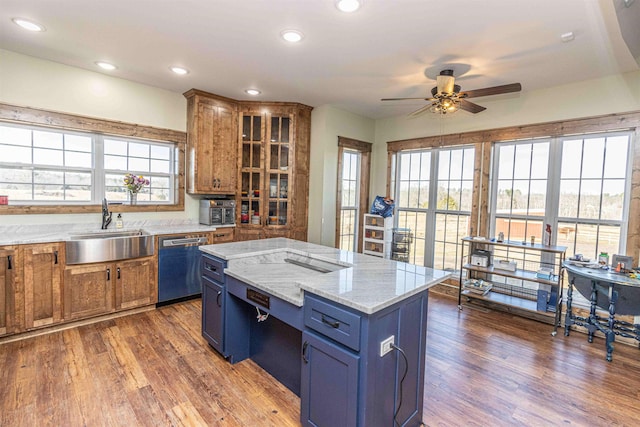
x,y
274,169
42,269
8,269
212,127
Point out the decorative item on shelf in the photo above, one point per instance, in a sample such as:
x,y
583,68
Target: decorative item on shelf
x,y
134,184
382,206
4,200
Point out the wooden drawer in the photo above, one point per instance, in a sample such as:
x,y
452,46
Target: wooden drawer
x,y
222,235
213,268
333,322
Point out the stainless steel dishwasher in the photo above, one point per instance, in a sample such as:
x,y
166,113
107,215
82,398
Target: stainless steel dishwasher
x,y
179,267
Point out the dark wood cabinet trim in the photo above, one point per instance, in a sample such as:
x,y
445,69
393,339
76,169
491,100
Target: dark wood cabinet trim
x,y
58,120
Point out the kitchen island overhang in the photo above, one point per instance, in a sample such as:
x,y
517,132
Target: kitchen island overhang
x,y
315,317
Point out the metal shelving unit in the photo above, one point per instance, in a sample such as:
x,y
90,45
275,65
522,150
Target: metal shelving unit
x,y
522,278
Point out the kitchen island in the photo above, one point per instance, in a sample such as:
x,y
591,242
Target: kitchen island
x,y
344,331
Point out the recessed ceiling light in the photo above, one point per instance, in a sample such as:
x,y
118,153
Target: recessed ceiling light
x,y
348,6
567,37
106,65
28,25
253,92
179,70
292,36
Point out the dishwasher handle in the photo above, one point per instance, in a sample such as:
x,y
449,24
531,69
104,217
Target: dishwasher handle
x,y
183,241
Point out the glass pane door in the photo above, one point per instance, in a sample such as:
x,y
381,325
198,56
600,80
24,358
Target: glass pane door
x,y
251,172
278,165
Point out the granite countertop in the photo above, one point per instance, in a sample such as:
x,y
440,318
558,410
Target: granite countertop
x,y
46,233
287,268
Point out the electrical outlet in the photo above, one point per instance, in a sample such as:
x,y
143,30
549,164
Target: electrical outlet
x,y
385,345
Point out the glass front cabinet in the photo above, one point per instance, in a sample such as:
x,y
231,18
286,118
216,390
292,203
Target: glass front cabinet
x,y
267,170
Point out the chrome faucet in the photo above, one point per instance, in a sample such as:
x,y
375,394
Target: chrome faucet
x,y
106,215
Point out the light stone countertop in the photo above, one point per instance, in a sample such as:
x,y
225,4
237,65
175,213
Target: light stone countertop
x,y
363,282
47,233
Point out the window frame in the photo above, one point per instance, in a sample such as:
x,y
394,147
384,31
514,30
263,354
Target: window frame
x,y
364,148
553,188
432,211
71,123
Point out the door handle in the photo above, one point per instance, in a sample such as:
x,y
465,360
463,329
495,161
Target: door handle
x,y
108,274
218,299
55,257
9,266
334,325
118,273
305,358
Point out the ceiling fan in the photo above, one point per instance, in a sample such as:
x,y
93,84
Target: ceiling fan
x,y
447,98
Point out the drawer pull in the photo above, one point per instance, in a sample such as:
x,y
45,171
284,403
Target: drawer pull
x,y
209,267
334,325
304,352
218,299
219,235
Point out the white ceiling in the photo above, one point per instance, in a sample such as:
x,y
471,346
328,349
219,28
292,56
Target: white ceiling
x,y
389,48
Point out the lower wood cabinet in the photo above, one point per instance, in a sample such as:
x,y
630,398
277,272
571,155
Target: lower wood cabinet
x,y
42,266
88,290
222,235
135,283
7,289
96,289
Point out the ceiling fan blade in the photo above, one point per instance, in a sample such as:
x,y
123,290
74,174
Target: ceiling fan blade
x,y
471,107
487,91
402,99
420,111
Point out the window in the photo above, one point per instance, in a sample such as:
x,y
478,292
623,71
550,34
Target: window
x,y
50,166
349,202
434,198
353,192
575,184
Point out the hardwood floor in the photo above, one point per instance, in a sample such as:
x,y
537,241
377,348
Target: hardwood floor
x,y
155,369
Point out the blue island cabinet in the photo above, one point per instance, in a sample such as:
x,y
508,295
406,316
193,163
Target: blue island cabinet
x,y
213,300
345,381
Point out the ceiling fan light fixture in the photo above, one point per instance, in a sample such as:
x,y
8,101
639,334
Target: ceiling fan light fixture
x,y
348,6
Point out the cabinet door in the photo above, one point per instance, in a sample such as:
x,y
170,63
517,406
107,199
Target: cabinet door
x,y
7,290
278,169
215,150
213,299
329,383
42,269
88,290
135,284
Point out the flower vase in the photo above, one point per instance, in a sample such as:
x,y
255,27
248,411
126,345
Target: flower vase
x,y
133,198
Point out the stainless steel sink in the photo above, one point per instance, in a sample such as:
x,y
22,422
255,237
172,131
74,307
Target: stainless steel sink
x,y
103,246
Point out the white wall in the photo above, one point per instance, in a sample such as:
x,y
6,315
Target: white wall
x,y
327,124
614,94
32,82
